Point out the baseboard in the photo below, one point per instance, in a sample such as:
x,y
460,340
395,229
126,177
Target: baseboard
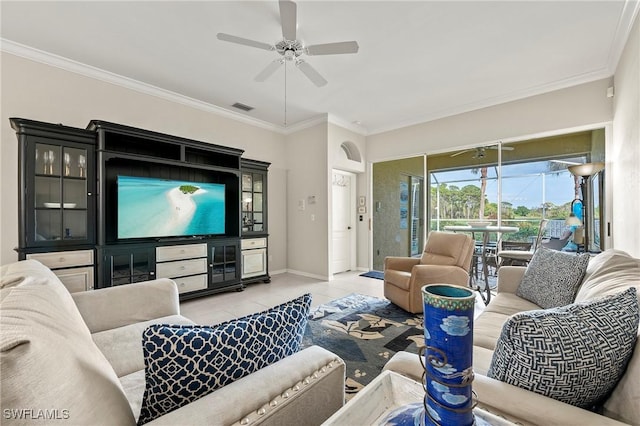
x,y
306,274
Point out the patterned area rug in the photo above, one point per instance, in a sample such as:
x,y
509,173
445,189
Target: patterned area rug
x,y
365,332
379,275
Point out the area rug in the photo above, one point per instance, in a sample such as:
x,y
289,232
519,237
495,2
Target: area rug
x,y
365,332
373,274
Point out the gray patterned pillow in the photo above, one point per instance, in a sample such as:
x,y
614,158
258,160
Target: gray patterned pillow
x,y
575,354
552,278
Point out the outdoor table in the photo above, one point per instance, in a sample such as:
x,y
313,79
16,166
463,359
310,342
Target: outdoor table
x,y
485,230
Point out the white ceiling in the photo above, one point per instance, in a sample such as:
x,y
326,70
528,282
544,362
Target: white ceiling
x,y
418,60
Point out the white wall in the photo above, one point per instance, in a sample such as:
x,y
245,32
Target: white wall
x,y
582,105
307,241
623,162
45,93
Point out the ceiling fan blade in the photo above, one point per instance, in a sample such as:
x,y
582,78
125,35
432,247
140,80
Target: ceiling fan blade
x,y
288,18
244,41
311,73
460,152
333,48
504,148
270,69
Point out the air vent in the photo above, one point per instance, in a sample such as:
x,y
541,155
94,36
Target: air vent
x,y
243,107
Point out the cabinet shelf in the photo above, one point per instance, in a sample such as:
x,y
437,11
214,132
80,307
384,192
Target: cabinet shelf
x,y
57,177
78,209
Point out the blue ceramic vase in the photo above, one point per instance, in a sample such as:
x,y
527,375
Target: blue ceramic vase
x,y
447,360
448,354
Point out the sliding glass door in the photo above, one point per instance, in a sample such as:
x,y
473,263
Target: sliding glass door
x,y
518,184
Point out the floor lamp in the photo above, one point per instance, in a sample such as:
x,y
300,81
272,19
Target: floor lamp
x,y
585,171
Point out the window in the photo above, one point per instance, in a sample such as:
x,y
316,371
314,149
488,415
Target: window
x,y
517,184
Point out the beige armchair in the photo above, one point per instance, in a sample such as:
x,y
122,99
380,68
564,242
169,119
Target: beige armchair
x,y
446,260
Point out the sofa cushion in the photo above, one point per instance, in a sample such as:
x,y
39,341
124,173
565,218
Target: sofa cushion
x,y
184,363
608,273
575,353
47,358
121,346
552,278
623,403
133,385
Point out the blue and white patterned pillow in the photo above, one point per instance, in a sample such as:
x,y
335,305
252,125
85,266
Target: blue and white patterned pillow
x,y
552,278
184,363
575,353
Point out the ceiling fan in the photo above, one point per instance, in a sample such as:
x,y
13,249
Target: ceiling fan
x,y
291,49
480,152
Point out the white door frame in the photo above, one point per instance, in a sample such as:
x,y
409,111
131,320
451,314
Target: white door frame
x,y
352,219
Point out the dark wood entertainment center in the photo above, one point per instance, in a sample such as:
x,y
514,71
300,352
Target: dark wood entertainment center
x,y
69,210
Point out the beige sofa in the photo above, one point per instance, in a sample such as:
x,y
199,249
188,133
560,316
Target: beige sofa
x,y
608,273
78,360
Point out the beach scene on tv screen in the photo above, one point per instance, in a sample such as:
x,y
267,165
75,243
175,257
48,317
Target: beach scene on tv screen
x,y
149,207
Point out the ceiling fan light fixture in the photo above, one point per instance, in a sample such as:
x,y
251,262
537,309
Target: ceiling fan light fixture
x,y
290,48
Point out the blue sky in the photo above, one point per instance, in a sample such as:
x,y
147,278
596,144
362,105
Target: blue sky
x,y
526,184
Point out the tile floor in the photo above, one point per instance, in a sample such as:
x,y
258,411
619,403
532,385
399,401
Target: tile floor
x,y
283,287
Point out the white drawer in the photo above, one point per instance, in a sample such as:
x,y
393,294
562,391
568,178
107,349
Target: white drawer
x,y
254,263
196,282
181,268
64,259
186,251
76,279
253,243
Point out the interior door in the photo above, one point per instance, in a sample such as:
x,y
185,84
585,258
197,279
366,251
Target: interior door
x,y
343,217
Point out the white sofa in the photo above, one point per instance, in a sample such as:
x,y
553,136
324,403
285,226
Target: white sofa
x,y
77,359
608,273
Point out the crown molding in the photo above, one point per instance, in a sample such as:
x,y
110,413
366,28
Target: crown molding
x,y
630,11
66,64
305,124
360,130
324,118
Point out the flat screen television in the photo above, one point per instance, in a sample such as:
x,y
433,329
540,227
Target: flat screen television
x,y
156,208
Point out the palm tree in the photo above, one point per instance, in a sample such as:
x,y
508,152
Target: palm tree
x,y
483,189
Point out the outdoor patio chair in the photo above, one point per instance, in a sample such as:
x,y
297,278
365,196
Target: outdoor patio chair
x,y
522,257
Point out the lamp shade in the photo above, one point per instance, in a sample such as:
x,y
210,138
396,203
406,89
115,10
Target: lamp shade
x,y
587,169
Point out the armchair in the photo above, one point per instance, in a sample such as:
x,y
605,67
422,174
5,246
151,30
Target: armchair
x,y
446,259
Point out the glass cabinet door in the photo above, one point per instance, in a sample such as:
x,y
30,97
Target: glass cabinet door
x,y
60,194
224,262
253,206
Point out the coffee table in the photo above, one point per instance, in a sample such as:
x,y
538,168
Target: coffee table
x,y
384,394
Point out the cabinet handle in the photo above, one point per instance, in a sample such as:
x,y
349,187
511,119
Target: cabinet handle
x,y
62,259
181,284
152,273
182,268
89,194
182,251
